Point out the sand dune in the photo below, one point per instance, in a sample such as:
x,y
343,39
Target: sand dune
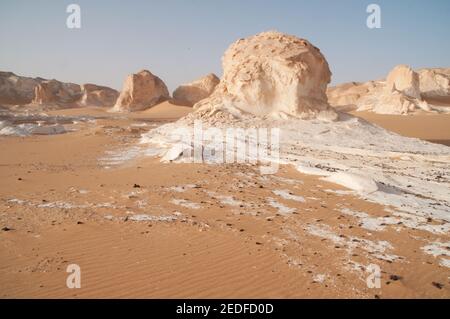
x,y
430,127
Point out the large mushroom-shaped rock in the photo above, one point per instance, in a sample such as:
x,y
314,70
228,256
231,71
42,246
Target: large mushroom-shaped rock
x,y
191,93
141,91
53,92
272,75
95,95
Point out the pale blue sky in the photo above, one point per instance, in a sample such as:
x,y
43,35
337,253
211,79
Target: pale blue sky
x,y
180,40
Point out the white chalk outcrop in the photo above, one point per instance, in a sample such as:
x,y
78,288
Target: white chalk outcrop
x,y
95,95
344,97
20,90
434,83
193,92
17,90
272,75
404,80
404,91
55,93
399,95
141,91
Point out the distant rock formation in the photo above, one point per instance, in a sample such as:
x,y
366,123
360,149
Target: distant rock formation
x,y
434,83
20,90
404,80
193,92
404,91
17,90
141,91
95,95
344,97
399,95
55,93
272,75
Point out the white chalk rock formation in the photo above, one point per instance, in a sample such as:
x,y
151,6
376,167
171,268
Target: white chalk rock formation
x,y
95,95
141,91
193,92
403,92
345,97
17,90
272,75
21,90
56,93
405,80
434,83
399,95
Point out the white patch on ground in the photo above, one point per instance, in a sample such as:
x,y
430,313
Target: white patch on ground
x,y
437,249
445,262
371,223
283,210
151,218
80,191
319,278
309,170
18,123
414,221
285,180
376,249
134,194
13,131
339,192
358,183
225,199
185,203
62,204
32,129
286,194
16,201
182,188
142,203
120,156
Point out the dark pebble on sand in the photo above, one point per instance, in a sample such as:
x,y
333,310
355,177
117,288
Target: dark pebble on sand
x,y
437,285
395,277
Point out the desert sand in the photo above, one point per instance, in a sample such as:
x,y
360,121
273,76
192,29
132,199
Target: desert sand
x,y
187,230
430,127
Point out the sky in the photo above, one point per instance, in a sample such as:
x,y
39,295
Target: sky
x,y
182,40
